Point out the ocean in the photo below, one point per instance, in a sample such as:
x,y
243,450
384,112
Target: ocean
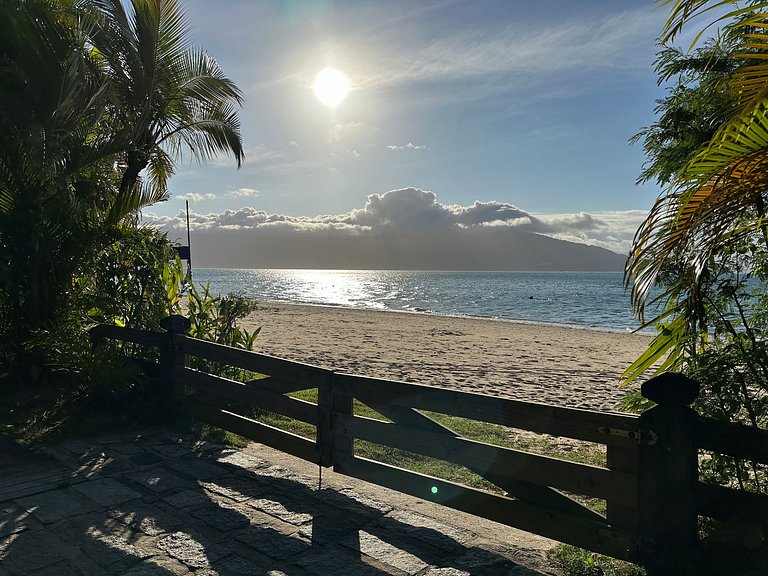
x,y
595,300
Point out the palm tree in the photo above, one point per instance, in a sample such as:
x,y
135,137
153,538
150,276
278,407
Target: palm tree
x,y
168,96
90,96
717,200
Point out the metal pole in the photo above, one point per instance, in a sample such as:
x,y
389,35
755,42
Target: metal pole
x,y
189,245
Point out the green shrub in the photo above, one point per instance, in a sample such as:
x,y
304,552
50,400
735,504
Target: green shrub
x,y
215,318
135,282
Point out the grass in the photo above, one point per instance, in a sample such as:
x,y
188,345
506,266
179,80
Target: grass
x,y
573,561
494,434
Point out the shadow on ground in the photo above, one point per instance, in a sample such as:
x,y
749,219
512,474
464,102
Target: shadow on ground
x,y
156,506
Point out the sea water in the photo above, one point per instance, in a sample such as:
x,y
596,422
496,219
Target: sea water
x,y
584,299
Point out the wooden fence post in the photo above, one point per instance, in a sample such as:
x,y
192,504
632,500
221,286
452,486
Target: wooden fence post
x,y
343,447
325,424
171,357
668,472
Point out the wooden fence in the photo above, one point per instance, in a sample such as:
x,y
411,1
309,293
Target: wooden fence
x,y
650,481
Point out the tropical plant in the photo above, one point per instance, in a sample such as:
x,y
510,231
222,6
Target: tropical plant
x,y
704,245
91,95
136,281
168,95
715,203
215,318
51,99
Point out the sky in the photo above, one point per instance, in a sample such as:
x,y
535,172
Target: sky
x,y
505,113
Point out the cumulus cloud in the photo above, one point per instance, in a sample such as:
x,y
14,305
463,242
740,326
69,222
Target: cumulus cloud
x,y
612,230
417,210
195,197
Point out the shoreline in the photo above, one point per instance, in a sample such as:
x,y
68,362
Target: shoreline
x,y
425,312
570,366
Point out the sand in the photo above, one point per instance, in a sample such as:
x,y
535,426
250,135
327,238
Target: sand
x,y
551,364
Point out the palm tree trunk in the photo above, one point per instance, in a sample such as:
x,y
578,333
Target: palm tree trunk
x,y
137,161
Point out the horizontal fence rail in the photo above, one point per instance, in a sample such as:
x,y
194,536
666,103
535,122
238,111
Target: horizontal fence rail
x,y
249,393
566,527
570,476
649,481
732,439
103,332
248,360
588,425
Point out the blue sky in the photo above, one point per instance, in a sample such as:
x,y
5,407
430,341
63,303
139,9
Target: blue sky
x,y
525,105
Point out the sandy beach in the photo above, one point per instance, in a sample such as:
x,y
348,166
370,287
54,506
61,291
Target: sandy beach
x,y
556,365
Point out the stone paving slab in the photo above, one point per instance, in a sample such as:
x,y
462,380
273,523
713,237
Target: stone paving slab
x,y
163,505
333,527
240,460
147,520
276,544
236,488
107,492
187,498
221,517
39,550
55,505
278,510
429,530
384,552
198,469
158,479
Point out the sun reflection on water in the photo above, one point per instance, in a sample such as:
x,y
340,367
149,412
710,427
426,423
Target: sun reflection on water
x,y
336,288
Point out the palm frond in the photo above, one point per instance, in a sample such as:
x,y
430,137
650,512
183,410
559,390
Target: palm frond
x,y
128,203
681,12
160,169
707,203
207,131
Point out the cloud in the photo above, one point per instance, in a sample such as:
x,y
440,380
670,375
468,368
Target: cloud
x,y
260,153
613,230
408,146
195,197
515,51
417,210
244,193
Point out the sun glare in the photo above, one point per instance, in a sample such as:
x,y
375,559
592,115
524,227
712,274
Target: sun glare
x,y
331,87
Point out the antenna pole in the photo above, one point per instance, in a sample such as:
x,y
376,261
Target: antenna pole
x,y
189,244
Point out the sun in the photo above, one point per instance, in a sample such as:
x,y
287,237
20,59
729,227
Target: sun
x,y
331,87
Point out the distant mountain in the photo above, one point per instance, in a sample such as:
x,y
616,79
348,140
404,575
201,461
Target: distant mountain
x,y
480,248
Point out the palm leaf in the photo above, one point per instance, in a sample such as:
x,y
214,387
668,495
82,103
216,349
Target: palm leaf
x,y
663,353
681,12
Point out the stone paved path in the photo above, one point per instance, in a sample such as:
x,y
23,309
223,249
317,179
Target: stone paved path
x,y
159,505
